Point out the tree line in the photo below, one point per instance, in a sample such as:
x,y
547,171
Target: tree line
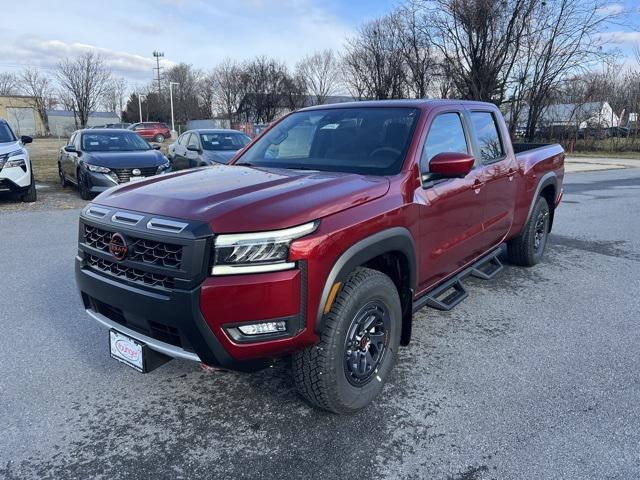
x,y
519,54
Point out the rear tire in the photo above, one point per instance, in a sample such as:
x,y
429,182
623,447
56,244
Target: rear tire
x,y
527,249
358,345
30,194
159,138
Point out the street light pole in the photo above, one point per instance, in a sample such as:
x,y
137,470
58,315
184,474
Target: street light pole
x,y
140,105
173,127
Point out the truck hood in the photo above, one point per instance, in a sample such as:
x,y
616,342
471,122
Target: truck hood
x,y
244,199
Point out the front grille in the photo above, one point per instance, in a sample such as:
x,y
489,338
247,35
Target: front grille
x,y
124,174
141,250
129,273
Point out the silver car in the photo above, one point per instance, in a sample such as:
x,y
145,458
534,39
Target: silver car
x,y
201,147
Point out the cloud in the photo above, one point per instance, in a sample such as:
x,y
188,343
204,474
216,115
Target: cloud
x,y
143,28
47,53
621,37
611,9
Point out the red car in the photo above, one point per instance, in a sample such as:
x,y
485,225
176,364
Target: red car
x,y
156,131
320,241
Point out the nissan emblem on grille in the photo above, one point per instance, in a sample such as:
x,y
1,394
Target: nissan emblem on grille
x,y
136,171
118,246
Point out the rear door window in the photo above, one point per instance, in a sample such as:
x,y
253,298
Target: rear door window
x,y
486,131
445,135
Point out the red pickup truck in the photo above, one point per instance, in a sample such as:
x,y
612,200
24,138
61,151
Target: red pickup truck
x,y
320,241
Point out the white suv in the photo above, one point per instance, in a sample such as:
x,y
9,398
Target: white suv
x,y
16,174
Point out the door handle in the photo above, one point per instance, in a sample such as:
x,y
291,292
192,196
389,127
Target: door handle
x,y
477,185
511,174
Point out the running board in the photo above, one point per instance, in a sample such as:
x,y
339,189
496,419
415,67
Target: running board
x,y
488,267
449,294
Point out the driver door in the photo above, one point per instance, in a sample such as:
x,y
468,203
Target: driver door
x,y
451,209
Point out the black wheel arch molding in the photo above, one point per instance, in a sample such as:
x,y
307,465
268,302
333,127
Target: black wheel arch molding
x,y
549,178
395,239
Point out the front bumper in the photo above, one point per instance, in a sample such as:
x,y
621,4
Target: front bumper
x,y
15,178
99,182
196,316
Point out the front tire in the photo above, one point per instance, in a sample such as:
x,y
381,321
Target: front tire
x,y
30,194
63,180
159,138
358,345
527,249
83,186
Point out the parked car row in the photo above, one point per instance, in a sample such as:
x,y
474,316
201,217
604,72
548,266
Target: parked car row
x,y
96,159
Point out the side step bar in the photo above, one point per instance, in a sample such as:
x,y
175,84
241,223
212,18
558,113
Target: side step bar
x,y
450,293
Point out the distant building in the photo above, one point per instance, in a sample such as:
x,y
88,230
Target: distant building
x,y
573,115
62,122
18,111
582,115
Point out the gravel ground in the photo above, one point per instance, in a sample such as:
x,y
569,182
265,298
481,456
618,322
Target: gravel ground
x,y
533,376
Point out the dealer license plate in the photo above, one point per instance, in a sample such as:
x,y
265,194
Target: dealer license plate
x,y
126,350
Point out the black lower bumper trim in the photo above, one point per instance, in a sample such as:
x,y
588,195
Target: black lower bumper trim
x,y
177,311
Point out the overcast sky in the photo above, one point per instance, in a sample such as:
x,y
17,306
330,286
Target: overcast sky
x,y
198,32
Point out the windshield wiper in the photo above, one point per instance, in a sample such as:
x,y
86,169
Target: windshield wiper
x,y
244,164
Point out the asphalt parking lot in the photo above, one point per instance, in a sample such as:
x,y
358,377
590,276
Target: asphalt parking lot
x,y
534,376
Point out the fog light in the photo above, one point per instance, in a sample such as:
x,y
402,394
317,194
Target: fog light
x,y
261,328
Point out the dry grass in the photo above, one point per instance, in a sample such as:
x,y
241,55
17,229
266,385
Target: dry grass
x,y
44,154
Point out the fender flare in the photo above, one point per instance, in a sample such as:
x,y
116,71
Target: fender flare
x,y
549,178
390,240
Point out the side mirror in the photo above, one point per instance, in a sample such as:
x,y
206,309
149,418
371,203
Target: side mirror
x,y
26,139
70,149
191,148
451,164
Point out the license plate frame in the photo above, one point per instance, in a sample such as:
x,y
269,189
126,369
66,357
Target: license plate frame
x,y
127,350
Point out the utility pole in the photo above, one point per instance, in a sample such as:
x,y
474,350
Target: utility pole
x,y
158,55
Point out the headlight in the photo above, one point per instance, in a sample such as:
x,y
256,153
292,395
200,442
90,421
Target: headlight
x,y
97,168
163,167
5,159
257,252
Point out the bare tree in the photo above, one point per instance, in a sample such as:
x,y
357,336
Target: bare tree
x,y
319,73
8,83
413,32
187,99
39,88
478,41
374,60
266,89
566,42
115,95
229,86
83,80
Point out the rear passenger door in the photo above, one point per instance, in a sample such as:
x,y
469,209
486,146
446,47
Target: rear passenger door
x,y
451,210
498,171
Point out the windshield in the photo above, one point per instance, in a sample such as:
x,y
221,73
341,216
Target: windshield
x,y
223,141
6,135
369,141
113,142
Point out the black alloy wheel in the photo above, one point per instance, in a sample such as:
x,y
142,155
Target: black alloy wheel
x,y
366,343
